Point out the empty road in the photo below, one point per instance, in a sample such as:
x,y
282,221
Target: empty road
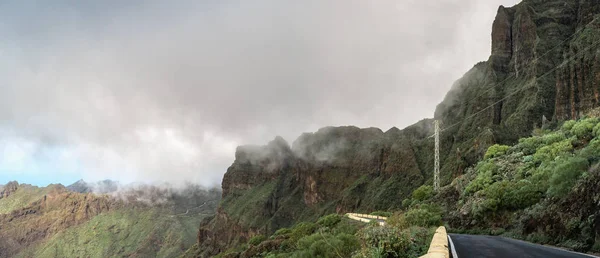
x,y
472,246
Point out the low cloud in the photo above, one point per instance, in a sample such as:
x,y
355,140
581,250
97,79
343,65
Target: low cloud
x,y
159,91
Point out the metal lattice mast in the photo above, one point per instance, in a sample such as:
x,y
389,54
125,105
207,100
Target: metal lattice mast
x,y
436,169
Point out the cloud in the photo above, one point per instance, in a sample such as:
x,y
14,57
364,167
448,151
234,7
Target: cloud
x,y
164,91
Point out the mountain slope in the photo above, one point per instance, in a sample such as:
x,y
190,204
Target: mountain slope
x,y
543,69
56,222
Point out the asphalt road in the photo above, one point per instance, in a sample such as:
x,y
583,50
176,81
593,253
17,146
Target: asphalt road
x,y
470,246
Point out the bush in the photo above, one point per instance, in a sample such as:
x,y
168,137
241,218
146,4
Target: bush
x,y
398,221
592,151
422,217
330,220
597,130
349,244
326,245
256,240
584,129
485,177
565,175
495,151
282,231
522,194
553,138
347,226
386,240
406,203
551,152
391,242
305,242
568,125
302,229
529,145
423,193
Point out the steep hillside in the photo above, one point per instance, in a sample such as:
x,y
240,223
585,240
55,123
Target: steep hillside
x,y
143,221
542,189
544,68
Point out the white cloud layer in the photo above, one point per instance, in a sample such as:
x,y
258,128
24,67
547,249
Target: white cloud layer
x,y
165,90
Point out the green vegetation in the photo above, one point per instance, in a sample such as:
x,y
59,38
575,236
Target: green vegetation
x,y
247,206
495,151
336,236
138,232
538,190
24,195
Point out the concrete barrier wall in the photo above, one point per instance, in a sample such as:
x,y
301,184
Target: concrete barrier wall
x,y
439,245
368,216
364,218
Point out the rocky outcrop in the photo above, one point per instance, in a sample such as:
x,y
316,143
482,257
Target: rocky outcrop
x,y
8,189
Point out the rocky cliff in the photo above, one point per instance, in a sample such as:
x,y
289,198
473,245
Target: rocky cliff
x,y
333,170
543,68
8,189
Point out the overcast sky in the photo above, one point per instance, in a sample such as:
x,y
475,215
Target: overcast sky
x,y
166,90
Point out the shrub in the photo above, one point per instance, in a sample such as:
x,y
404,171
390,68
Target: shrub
x,y
551,152
347,226
282,231
553,137
592,151
597,130
424,192
522,194
422,217
256,240
568,125
584,128
348,244
386,240
398,221
565,175
391,242
495,151
485,177
302,229
330,220
529,145
406,203
305,242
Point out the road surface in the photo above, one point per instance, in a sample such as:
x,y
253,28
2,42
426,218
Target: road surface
x,y
471,246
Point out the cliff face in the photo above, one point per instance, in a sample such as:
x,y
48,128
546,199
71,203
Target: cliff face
x,y
543,68
333,170
8,189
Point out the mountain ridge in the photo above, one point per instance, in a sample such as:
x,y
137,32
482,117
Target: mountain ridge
x,y
53,221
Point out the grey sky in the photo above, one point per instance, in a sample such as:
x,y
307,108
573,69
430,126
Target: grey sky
x,y
157,91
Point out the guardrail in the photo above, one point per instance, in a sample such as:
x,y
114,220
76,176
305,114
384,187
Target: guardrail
x,y
366,218
439,245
